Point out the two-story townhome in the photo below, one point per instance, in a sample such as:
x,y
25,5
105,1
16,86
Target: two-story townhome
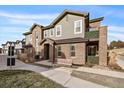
x,y
5,47
72,38
33,38
19,46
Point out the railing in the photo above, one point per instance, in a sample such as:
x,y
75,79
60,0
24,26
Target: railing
x,y
92,34
93,59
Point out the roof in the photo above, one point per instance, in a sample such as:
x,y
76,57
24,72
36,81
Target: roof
x,y
33,26
10,42
65,41
96,19
71,40
46,39
27,33
3,44
27,46
84,14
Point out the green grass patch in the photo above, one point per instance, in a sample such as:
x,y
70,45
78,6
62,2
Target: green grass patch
x,y
25,79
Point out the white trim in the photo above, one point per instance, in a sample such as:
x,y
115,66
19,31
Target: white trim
x,y
51,31
80,26
60,30
47,33
58,51
71,51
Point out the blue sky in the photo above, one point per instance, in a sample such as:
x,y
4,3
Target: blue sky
x,y
15,20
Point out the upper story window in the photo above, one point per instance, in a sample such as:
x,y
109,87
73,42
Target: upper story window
x,y
46,33
30,38
78,27
58,31
51,32
36,35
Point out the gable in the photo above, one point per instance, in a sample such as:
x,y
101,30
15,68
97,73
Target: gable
x,y
63,14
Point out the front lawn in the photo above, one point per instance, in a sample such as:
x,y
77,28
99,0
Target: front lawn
x,y
25,79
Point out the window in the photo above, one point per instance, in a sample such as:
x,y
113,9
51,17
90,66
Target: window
x,y
36,34
58,30
92,50
37,38
72,50
52,32
36,42
46,33
59,51
30,39
78,27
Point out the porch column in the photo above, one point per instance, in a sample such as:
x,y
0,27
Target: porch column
x,y
53,53
103,46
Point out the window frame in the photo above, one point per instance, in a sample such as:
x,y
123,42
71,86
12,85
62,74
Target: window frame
x,y
59,51
90,49
70,51
47,33
81,24
60,30
51,31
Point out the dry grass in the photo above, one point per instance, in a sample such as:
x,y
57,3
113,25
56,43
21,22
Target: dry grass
x,y
25,79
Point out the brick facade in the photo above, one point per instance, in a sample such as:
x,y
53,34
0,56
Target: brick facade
x,y
103,46
95,25
38,30
79,59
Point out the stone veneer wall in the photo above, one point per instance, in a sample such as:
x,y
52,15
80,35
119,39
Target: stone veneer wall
x,y
103,46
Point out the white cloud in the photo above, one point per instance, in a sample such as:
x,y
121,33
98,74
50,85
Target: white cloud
x,y
28,22
116,36
28,16
22,22
116,28
11,30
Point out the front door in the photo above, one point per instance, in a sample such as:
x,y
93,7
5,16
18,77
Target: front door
x,y
46,51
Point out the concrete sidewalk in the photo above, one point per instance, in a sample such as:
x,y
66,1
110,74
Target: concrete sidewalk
x,y
120,62
62,75
102,72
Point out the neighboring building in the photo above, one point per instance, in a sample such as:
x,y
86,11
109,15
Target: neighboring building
x,y
71,38
19,46
5,47
0,50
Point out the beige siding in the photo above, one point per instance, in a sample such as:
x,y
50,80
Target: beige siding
x,y
67,24
28,39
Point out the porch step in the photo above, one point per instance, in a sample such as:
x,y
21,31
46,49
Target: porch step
x,y
45,63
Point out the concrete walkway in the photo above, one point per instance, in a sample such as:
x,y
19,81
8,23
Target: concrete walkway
x,y
20,65
102,72
120,62
62,75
